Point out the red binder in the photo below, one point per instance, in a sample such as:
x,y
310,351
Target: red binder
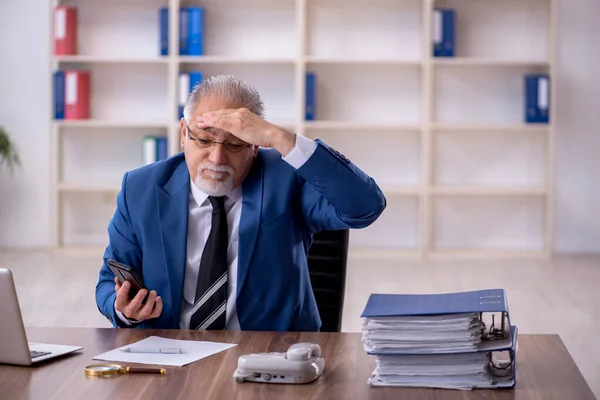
x,y
65,30
77,94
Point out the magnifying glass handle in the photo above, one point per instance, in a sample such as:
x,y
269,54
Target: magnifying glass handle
x,y
146,370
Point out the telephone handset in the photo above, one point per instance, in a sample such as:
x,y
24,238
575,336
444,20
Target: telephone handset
x,y
302,363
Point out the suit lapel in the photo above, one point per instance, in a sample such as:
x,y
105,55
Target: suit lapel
x,y
173,206
252,192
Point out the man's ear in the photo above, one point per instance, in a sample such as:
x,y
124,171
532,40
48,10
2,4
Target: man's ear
x,y
255,150
182,130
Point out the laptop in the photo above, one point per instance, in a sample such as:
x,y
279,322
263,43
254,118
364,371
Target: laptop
x,y
14,347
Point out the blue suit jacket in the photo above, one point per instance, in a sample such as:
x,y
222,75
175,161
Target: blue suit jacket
x,y
281,209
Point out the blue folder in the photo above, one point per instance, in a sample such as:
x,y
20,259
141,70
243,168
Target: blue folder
x,y
394,305
59,94
161,148
195,45
184,28
311,96
444,32
163,21
537,98
478,301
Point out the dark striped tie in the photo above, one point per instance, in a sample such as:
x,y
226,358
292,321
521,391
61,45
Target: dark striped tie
x,y
211,291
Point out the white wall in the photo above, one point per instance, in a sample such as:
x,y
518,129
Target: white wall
x,y
24,111
578,128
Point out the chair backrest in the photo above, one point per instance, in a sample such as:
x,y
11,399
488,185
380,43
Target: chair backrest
x,y
327,258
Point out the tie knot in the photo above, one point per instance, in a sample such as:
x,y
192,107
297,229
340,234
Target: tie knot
x,y
218,203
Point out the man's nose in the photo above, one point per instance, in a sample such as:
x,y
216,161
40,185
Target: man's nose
x,y
217,154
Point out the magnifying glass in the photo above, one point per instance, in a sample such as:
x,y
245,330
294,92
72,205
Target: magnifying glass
x,y
116,369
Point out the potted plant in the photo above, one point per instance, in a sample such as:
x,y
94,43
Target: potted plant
x,y
8,152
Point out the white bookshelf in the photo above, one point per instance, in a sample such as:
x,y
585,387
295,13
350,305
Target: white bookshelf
x,y
443,137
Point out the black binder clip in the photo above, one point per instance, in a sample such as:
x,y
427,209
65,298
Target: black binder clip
x,y
495,333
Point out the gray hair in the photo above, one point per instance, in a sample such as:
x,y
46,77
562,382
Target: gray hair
x,y
232,90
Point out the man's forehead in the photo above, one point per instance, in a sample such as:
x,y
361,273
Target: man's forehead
x,y
217,132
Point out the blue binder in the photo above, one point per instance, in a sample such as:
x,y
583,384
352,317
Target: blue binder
x,y
163,17
59,95
187,81
537,98
311,96
503,374
184,28
196,31
444,22
394,305
478,301
161,148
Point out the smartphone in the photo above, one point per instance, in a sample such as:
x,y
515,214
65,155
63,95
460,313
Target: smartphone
x,y
127,273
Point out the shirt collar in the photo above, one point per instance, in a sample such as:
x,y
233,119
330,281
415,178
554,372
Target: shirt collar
x,y
200,197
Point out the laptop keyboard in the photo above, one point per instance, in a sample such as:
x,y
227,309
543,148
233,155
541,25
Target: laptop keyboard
x,y
35,354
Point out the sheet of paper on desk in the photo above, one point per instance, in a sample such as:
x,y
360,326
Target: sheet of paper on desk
x,y
192,350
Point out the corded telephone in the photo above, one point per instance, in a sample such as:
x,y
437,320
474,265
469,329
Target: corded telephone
x,y
302,363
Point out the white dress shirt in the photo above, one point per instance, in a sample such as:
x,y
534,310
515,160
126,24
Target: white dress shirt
x,y
199,223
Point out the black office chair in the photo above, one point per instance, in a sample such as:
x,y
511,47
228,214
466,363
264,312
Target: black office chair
x,y
327,259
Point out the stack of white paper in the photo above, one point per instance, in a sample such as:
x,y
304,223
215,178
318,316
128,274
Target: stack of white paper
x,y
460,371
422,335
463,371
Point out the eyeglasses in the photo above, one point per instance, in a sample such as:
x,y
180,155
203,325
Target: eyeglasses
x,y
207,143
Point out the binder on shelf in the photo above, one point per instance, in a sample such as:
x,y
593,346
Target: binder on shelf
x,y
77,94
148,150
65,30
163,21
161,148
184,28
153,149
196,31
59,95
444,32
537,98
447,340
311,96
187,81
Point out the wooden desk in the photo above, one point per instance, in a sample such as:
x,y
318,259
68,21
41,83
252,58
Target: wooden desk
x,y
545,370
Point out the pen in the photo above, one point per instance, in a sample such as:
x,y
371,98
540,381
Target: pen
x,y
148,350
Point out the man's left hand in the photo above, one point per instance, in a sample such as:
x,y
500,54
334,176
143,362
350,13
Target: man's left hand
x,y
250,128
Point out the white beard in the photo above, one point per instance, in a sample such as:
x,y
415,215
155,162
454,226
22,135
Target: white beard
x,y
217,186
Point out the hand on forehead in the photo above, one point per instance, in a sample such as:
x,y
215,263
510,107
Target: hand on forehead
x,y
200,111
215,131
211,131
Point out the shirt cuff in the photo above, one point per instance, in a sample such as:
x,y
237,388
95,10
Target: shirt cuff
x,y
123,317
304,148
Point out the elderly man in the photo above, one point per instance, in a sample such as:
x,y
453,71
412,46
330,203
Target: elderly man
x,y
220,232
